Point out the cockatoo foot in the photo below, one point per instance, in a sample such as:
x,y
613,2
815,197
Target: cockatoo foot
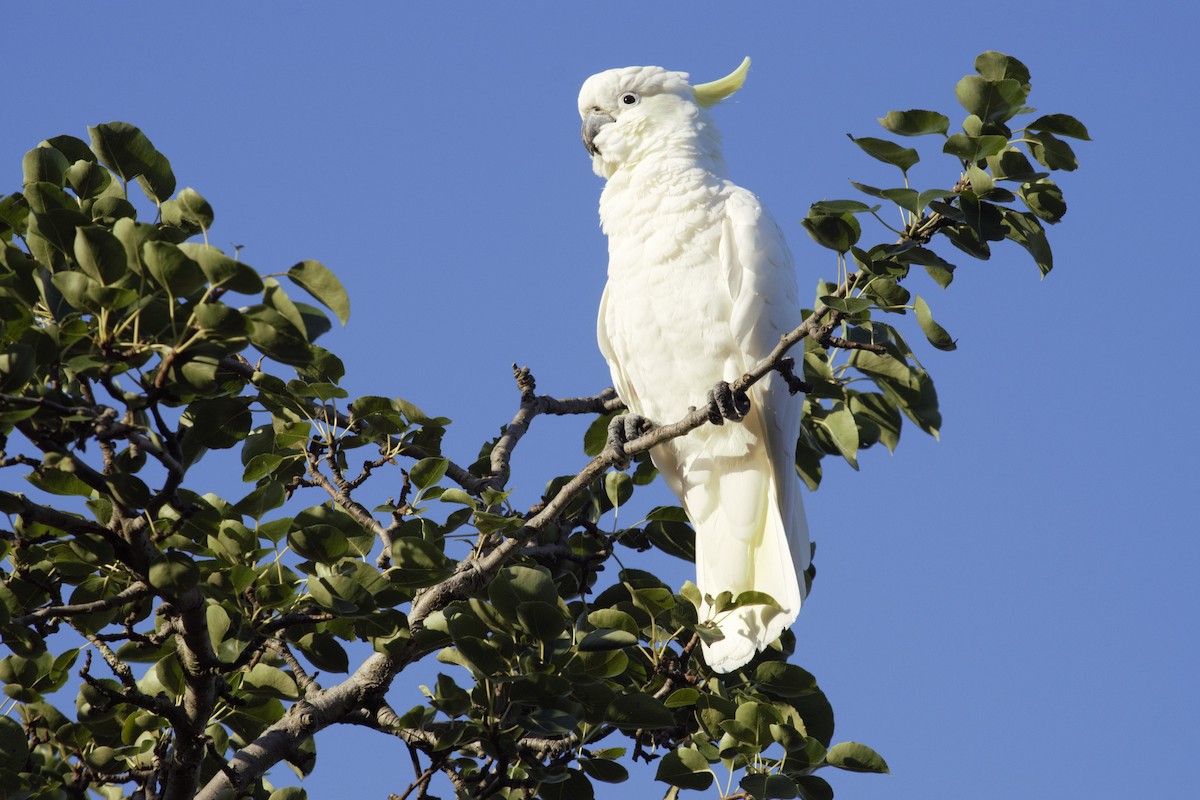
x,y
623,429
724,403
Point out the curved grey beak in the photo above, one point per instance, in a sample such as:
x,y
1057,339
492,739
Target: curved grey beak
x,y
592,123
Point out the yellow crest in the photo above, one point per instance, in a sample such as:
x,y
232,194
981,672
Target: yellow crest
x,y
711,93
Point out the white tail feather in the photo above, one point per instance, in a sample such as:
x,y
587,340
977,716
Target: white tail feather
x,y
750,536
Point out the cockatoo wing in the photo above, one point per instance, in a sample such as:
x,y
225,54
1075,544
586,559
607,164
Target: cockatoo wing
x,y
749,515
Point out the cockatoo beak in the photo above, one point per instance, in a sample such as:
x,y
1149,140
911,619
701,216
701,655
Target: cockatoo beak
x,y
592,123
708,94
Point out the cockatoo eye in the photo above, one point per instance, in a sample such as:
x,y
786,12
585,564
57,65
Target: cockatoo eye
x,y
630,99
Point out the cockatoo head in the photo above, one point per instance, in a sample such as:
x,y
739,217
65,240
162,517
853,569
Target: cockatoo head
x,y
633,112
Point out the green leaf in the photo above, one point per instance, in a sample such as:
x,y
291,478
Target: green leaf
x,y
936,334
613,618
125,150
100,254
575,786
269,681
607,639
837,207
915,122
974,148
785,680
1051,151
1024,229
427,472
814,787
289,793
848,305
888,152
316,279
836,231
762,786
991,101
1012,165
637,710
618,487
941,270
856,757
324,651
1044,199
172,268
324,544
223,271
844,431
685,768
544,621
418,563
1060,124
174,573
673,538
680,698
996,66
44,164
188,209
604,770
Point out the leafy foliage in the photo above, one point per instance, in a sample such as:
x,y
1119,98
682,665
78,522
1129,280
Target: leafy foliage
x,y
135,350
977,210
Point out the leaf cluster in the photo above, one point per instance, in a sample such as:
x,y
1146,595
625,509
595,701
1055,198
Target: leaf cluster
x,y
1001,190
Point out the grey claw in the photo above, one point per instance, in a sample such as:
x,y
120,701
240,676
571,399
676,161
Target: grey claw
x,y
724,403
622,429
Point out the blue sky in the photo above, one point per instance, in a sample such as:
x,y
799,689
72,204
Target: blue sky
x,y
1007,612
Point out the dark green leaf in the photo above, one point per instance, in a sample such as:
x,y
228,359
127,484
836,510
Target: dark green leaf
x,y
936,334
814,787
996,66
784,680
607,639
418,563
174,573
223,271
1051,151
188,209
837,207
604,770
674,538
637,710
543,620
888,152
915,122
100,254
974,148
762,786
1012,165
991,101
323,285
427,472
125,150
172,268
1060,124
837,232
1044,199
856,757
1024,229
685,768
44,164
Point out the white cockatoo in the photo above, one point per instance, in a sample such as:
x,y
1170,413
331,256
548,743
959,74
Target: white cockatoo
x,y
701,285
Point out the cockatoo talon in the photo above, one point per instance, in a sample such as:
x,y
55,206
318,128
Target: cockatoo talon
x,y
622,430
724,403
